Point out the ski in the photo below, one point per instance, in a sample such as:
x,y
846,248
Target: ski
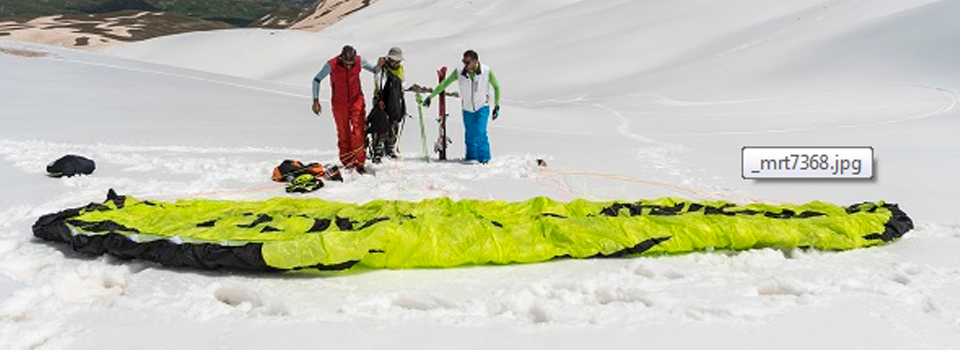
x,y
442,141
423,131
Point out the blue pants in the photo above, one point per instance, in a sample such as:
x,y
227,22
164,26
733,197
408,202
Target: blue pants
x,y
478,145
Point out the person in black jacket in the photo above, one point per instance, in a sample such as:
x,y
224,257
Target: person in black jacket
x,y
384,123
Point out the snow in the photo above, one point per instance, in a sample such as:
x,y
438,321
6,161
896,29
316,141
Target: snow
x,y
623,100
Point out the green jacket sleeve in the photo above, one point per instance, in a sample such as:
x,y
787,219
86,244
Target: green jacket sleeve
x,y
443,85
496,88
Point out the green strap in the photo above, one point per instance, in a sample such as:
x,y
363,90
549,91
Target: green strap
x,y
423,131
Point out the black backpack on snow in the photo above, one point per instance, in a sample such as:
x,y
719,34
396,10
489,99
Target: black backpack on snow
x,y
71,165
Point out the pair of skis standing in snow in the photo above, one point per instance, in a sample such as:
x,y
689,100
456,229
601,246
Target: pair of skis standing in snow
x,y
349,109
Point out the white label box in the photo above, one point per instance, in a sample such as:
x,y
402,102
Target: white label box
x,y
807,162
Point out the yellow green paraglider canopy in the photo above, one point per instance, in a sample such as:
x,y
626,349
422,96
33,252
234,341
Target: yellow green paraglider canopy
x,y
288,233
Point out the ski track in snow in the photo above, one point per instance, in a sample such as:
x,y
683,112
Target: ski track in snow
x,y
187,77
819,13
942,109
664,159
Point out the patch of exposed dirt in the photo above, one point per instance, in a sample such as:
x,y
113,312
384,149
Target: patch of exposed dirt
x,y
327,12
93,31
24,53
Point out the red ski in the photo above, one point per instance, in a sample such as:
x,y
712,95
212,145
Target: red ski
x,y
442,142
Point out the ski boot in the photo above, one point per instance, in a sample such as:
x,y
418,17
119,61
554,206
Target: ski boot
x,y
392,153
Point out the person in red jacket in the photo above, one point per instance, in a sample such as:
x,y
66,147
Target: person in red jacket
x,y
347,103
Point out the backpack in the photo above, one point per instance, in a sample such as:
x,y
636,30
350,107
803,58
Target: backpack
x,y
71,165
304,183
377,120
289,169
389,105
392,97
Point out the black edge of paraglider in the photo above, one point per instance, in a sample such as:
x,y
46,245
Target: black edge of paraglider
x,y
896,227
206,256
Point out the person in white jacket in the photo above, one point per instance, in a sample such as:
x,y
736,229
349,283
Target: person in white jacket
x,y
475,80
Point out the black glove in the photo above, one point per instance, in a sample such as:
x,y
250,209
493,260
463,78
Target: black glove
x,y
426,102
496,112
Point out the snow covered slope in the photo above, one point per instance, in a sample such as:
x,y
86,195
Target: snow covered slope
x,y
623,99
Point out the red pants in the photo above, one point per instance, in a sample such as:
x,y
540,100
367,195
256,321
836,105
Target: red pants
x,y
351,121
